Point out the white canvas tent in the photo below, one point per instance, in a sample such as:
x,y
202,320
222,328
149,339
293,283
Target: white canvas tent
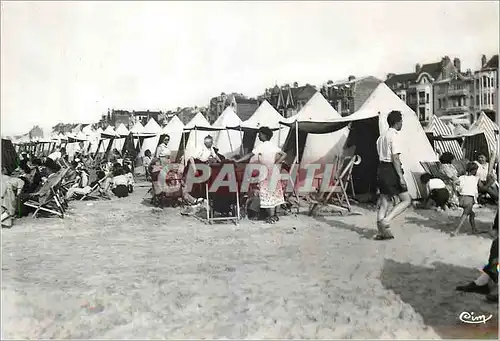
x,y
415,145
319,148
174,129
152,128
228,141
123,132
265,116
198,129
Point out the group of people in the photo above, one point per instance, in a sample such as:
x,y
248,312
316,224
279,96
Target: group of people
x,y
81,178
455,190
266,197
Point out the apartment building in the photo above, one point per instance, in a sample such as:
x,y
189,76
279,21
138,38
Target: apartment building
x,y
348,96
486,88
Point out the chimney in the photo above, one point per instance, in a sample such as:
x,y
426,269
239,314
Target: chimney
x,y
351,78
417,68
456,63
483,60
390,75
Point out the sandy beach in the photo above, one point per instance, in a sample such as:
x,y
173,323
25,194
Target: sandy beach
x,y
123,269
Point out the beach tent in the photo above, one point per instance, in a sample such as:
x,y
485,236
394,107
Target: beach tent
x,y
193,135
174,130
367,124
481,137
228,141
123,132
307,142
264,116
437,129
153,130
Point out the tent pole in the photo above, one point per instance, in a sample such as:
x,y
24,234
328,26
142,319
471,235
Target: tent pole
x,y
229,137
242,148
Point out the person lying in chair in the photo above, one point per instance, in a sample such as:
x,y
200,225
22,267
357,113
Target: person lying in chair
x,y
83,187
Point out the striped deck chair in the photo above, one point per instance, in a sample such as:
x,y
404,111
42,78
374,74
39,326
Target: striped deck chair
x,y
342,179
47,198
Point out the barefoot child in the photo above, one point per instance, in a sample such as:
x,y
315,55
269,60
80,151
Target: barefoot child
x,y
467,186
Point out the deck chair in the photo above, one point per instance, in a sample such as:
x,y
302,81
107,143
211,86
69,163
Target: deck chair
x,y
95,193
342,179
47,198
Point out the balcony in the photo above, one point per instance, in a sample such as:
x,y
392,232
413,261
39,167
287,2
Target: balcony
x,y
457,108
458,92
422,101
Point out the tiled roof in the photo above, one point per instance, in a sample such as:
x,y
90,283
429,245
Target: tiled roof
x,y
303,93
241,100
492,63
433,69
402,78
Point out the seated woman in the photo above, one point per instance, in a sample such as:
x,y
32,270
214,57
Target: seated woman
x,y
450,177
487,178
120,183
11,189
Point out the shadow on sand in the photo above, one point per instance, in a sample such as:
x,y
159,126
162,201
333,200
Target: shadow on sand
x,y
450,224
431,293
367,233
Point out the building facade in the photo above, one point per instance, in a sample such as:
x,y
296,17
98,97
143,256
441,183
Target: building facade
x,y
417,88
486,88
243,107
288,100
115,117
349,95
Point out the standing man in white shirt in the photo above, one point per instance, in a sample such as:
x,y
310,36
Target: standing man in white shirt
x,y
391,181
163,152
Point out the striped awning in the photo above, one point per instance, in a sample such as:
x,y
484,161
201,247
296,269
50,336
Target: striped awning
x,y
482,137
439,129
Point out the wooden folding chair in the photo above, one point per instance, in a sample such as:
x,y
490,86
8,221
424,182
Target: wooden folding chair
x,y
96,192
342,179
47,197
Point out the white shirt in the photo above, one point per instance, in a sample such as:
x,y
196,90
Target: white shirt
x,y
265,153
388,145
482,171
468,185
55,156
205,153
120,180
163,151
435,184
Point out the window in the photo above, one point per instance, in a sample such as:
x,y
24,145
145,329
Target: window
x,y
477,100
484,82
477,83
485,99
439,103
421,114
489,99
427,98
493,99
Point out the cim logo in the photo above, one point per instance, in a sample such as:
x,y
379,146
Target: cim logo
x,y
470,317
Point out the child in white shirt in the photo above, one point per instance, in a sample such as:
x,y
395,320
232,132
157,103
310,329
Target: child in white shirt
x,y
467,186
436,191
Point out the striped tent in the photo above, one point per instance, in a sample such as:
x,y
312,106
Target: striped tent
x,y
481,137
438,129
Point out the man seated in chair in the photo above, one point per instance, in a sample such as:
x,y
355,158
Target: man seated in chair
x,y
207,153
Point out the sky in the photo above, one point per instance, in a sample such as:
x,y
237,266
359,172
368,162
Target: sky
x,y
71,61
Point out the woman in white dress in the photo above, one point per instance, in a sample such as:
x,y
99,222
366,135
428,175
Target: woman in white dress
x,y
270,155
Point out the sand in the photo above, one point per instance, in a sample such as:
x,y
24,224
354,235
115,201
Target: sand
x,y
122,269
